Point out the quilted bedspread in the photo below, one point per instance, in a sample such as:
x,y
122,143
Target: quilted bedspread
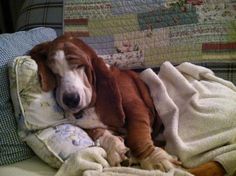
x,y
145,33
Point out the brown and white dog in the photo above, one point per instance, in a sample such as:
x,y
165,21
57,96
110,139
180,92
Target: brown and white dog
x,y
117,108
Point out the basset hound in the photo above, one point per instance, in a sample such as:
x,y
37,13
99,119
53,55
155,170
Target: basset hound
x,y
113,105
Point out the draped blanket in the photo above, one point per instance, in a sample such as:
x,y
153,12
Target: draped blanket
x,y
92,162
198,111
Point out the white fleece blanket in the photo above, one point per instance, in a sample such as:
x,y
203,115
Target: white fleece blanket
x,y
198,111
92,162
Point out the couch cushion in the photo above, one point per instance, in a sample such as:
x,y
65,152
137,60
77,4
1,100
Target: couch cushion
x,y
46,13
12,149
29,167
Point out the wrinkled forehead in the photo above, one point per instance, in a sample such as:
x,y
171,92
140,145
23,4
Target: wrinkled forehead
x,y
67,50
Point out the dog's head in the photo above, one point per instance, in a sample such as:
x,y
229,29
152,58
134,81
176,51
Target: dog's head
x,y
80,77
66,64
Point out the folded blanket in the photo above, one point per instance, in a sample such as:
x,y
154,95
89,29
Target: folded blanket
x,y
198,111
92,161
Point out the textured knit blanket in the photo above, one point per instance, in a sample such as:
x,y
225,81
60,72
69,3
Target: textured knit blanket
x,y
198,111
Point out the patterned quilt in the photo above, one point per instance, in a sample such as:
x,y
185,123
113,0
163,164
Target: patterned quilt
x,y
144,33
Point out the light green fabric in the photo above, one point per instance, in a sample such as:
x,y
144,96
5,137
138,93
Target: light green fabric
x,y
34,108
41,122
30,167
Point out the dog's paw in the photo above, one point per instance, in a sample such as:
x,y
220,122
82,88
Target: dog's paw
x,y
115,148
159,159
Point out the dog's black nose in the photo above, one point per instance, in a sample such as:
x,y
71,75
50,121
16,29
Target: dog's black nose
x,y
71,100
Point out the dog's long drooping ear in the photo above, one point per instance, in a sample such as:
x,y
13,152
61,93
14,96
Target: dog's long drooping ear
x,y
39,54
108,100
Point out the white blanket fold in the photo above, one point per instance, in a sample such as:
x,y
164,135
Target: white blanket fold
x,y
92,162
198,111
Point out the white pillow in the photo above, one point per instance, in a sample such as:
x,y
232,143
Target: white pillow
x,y
55,144
34,108
41,121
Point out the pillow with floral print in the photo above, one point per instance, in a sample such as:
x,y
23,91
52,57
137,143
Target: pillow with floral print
x,y
55,144
34,108
41,121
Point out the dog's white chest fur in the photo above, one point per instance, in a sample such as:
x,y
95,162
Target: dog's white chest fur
x,y
89,119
